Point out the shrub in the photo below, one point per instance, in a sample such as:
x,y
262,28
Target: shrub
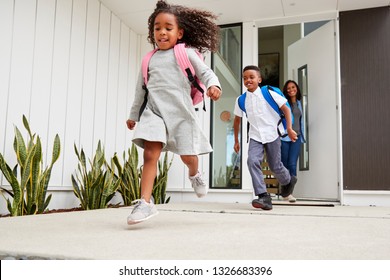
x,y
30,190
130,176
97,186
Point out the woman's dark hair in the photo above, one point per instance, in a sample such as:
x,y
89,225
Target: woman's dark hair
x,y
200,32
299,95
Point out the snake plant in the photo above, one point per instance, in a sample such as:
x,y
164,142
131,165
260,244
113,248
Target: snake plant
x,y
28,179
97,186
130,176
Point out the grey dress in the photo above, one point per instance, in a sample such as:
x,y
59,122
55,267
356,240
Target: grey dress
x,y
169,116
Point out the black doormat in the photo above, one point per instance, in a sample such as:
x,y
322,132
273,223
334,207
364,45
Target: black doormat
x,y
303,203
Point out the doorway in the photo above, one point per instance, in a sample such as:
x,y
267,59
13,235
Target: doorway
x,y
306,53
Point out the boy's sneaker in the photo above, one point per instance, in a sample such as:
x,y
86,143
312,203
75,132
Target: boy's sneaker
x,y
288,189
290,198
199,185
263,201
142,211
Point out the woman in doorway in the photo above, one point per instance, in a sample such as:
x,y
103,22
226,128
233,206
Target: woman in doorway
x,y
290,149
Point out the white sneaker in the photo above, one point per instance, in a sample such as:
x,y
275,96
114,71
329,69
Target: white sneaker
x,y
199,185
290,198
142,211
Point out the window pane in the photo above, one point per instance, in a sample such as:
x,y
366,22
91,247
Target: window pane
x,y
304,154
225,163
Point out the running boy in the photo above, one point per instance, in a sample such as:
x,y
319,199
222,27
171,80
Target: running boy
x,y
263,135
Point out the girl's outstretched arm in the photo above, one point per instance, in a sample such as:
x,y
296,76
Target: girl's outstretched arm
x,y
202,70
138,99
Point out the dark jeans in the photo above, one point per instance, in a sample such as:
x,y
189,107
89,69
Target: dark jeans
x,y
290,154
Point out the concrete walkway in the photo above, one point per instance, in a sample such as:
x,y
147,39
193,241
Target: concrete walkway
x,y
203,231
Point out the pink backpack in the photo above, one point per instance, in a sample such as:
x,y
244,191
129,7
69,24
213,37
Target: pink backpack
x,y
197,88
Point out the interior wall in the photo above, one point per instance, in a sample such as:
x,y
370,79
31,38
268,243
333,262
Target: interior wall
x,y
291,34
271,41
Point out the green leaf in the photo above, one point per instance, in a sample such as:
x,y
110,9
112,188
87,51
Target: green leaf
x,y
29,194
48,199
27,126
15,209
35,174
20,148
56,149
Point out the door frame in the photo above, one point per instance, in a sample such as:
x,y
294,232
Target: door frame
x,y
333,16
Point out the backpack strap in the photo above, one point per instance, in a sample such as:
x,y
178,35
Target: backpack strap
x,y
271,101
145,65
241,102
187,68
182,60
145,76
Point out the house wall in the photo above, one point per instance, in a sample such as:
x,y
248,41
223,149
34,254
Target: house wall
x,y
365,84
69,66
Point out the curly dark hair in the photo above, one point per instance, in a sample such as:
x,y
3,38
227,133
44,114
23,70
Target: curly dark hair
x,y
299,95
200,31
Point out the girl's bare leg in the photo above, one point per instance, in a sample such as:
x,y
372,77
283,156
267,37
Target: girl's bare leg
x,y
196,179
192,163
152,152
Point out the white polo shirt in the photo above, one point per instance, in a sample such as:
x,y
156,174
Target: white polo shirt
x,y
262,117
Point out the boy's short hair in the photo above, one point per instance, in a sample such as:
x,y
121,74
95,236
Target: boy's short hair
x,y
252,67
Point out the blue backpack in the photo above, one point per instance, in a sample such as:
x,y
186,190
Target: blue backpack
x,y
271,101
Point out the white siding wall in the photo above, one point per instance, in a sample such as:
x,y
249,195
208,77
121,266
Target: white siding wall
x,y
70,67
